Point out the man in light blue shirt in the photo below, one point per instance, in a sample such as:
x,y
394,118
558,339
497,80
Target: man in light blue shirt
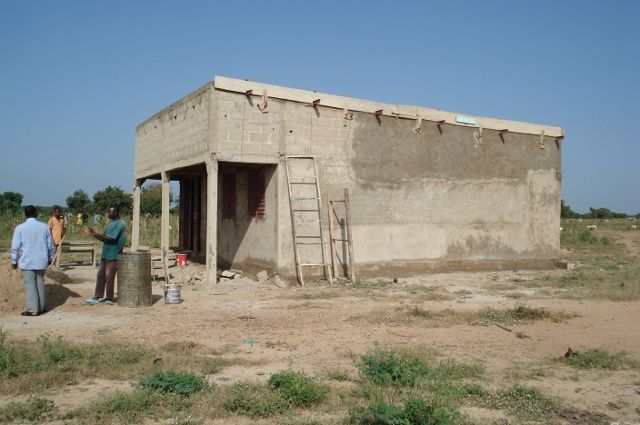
x,y
32,251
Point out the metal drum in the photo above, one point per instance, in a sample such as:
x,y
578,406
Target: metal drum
x,y
134,279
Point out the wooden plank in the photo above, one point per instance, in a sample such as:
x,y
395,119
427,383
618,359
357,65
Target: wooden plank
x,y
293,228
352,264
332,241
327,269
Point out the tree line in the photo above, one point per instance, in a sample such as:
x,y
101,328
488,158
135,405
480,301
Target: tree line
x,y
598,213
80,202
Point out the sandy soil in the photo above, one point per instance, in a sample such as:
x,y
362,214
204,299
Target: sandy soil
x,y
319,328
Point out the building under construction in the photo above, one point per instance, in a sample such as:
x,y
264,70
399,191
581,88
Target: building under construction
x,y
307,183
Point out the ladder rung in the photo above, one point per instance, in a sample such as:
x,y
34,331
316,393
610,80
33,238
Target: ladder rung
x,y
309,236
302,210
310,243
308,221
290,182
313,264
304,199
302,177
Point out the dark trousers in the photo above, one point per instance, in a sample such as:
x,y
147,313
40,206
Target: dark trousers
x,y
106,278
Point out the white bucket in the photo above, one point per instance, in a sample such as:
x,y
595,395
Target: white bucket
x,y
172,294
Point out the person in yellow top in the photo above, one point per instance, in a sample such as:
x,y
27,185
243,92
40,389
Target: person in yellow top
x,y
57,226
79,219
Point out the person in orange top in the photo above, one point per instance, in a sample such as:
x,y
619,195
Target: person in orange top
x,y
57,227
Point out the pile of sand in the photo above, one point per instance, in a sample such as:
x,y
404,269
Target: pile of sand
x,y
12,297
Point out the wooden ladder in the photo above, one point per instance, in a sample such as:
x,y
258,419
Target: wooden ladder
x,y
305,204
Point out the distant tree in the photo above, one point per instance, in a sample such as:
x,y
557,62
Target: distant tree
x,y
151,199
566,211
10,202
603,213
109,196
79,201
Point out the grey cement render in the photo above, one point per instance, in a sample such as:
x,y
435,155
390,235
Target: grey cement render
x,y
439,197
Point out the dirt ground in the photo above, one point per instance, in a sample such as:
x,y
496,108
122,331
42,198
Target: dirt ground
x,y
319,328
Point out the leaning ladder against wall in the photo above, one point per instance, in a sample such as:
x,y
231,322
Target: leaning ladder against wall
x,y
305,204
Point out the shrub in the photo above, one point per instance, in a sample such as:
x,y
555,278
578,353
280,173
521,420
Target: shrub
x,y
377,413
33,410
419,412
298,388
252,400
415,412
181,383
385,367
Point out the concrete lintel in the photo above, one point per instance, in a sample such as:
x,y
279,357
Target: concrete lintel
x,y
149,172
248,158
352,104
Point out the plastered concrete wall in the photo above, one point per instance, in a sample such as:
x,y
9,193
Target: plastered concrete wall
x,y
177,136
441,194
243,241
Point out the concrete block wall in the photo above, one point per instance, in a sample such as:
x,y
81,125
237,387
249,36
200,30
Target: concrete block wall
x,y
242,130
443,194
176,136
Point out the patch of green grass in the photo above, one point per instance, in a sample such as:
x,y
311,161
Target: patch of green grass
x,y
34,409
415,411
30,366
601,359
526,403
518,314
298,388
129,407
181,383
420,312
253,400
213,365
336,374
386,367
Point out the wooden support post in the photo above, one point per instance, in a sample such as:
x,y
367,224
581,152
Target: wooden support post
x,y
164,220
212,221
332,240
352,263
135,223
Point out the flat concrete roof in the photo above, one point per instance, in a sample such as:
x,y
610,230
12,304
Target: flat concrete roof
x,y
257,89
400,111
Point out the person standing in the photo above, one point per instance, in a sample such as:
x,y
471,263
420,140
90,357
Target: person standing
x,y
32,251
114,238
57,226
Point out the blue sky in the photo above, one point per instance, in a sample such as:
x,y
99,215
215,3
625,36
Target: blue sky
x,y
76,77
